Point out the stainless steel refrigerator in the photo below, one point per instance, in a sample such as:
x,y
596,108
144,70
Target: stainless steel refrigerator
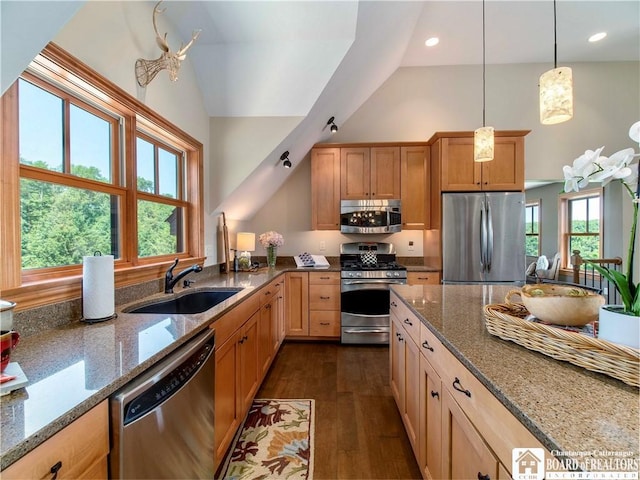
x,y
483,237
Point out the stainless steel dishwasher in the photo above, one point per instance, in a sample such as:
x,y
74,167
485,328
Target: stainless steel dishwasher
x,y
162,422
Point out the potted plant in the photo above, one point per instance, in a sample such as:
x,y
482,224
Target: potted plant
x,y
593,167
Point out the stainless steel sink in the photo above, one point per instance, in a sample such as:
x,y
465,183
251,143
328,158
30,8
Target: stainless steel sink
x,y
188,303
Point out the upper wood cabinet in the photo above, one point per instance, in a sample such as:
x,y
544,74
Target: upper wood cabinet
x,y
370,173
367,172
325,189
414,187
453,153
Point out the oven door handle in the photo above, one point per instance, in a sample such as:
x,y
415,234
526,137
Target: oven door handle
x,y
374,281
367,330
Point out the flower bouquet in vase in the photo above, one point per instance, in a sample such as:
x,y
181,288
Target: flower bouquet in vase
x,y
617,323
271,241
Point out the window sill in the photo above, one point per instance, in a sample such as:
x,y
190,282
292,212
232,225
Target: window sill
x,y
45,292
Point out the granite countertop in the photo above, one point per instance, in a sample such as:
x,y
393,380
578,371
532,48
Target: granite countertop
x,y
567,408
74,367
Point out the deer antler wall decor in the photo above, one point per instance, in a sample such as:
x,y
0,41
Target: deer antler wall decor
x,y
146,70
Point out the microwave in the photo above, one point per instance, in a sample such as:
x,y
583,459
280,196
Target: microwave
x,y
370,216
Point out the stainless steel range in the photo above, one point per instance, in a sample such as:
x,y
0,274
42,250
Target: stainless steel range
x,y
367,270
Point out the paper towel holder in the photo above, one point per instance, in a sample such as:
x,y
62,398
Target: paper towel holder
x,y
98,253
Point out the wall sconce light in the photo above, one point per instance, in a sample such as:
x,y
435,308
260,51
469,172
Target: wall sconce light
x,y
556,88
334,127
284,158
483,138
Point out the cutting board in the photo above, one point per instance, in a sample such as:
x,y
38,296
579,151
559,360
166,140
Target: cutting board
x,y
225,239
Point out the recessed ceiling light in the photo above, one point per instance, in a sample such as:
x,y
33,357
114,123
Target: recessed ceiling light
x,y
597,36
430,42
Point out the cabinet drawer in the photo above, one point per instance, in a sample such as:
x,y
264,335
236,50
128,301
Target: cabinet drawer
x,y
406,318
423,278
226,325
81,447
499,427
324,323
324,297
431,347
267,293
324,278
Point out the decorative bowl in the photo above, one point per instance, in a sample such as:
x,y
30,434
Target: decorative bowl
x,y
561,304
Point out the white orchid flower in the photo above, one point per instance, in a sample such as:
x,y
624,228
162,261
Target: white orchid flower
x,y
634,132
570,179
613,168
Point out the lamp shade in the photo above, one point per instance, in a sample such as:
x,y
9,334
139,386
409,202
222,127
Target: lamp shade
x,y
556,96
246,241
483,143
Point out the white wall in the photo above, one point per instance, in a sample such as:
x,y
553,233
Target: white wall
x,y
415,102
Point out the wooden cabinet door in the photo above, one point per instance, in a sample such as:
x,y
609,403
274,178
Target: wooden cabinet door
x,y
414,187
465,455
411,411
430,427
354,173
325,189
266,331
396,360
227,394
297,297
384,173
506,171
81,448
459,172
281,311
249,366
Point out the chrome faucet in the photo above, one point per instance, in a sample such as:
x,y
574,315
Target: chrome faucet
x,y
170,281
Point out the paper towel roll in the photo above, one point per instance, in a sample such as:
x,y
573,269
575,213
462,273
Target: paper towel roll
x,y
98,287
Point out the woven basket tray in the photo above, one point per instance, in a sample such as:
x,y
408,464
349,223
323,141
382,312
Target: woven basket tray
x,y
508,321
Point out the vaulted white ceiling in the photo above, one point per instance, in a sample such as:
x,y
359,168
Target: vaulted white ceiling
x,y
309,60
291,48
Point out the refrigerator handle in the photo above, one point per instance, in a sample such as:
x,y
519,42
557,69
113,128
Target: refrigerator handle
x,y
489,238
483,238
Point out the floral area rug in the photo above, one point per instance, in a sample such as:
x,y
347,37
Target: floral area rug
x,y
275,441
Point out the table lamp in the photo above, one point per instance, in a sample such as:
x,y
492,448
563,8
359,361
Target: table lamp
x,y
245,243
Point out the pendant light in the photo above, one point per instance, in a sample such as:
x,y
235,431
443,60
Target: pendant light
x,y
556,88
483,140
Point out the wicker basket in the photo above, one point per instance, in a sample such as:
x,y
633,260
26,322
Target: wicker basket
x,y
508,321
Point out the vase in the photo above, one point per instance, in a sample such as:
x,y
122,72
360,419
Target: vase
x,y
272,255
616,326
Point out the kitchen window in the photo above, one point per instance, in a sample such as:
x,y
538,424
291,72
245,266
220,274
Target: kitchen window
x,y
532,229
581,224
86,168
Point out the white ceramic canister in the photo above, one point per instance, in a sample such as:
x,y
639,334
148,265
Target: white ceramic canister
x,y
6,315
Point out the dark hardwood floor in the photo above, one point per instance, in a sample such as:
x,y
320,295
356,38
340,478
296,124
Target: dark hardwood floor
x,y
358,431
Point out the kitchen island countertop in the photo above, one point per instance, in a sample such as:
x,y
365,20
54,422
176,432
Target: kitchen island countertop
x,y
567,408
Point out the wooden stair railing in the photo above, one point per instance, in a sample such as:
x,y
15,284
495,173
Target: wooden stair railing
x,y
585,274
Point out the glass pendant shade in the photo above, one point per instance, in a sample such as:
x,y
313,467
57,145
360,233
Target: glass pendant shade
x,y
556,96
483,143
